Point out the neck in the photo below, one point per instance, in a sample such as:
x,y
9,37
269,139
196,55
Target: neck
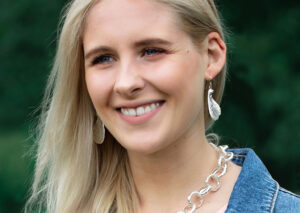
x,y
165,179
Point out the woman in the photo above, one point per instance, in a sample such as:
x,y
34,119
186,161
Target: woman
x,y
134,87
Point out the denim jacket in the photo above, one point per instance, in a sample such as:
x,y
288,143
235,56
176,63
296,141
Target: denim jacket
x,y
256,191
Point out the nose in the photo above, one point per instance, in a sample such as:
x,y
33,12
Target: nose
x,y
129,81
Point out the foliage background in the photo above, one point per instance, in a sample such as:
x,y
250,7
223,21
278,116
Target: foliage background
x,y
261,101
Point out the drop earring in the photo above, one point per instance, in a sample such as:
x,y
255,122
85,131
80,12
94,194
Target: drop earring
x,y
98,131
213,107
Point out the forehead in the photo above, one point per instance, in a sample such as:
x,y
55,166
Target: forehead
x,y
130,19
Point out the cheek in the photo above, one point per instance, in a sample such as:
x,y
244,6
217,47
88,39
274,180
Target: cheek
x,y
178,76
99,86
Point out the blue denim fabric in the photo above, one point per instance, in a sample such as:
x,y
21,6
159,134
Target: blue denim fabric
x,y
256,191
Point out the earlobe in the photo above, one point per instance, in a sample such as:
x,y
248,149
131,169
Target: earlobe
x,y
216,50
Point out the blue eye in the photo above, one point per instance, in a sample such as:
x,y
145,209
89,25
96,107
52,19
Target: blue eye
x,y
102,59
152,51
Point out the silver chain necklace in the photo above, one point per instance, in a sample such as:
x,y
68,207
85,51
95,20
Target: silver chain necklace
x,y
212,182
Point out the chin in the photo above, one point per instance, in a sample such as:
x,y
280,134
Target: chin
x,y
143,147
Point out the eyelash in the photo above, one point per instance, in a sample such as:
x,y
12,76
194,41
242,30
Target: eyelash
x,y
98,59
158,51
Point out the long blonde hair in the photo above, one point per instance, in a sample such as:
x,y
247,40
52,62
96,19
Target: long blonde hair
x,y
72,173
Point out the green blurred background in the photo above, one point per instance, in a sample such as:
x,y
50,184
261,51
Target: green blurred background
x,y
261,101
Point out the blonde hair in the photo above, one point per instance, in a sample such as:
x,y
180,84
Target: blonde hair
x,y
72,173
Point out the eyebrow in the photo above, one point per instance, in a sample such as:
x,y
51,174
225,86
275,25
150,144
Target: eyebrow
x,y
154,41
142,43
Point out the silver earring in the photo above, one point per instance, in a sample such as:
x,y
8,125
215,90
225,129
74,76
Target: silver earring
x,y
98,131
213,107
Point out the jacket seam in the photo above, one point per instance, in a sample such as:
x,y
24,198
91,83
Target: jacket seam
x,y
287,192
274,197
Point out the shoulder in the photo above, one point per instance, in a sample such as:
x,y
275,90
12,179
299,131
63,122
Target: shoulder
x,y
256,188
287,201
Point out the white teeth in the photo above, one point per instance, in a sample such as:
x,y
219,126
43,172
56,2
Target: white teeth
x,y
153,106
132,112
148,109
125,112
140,110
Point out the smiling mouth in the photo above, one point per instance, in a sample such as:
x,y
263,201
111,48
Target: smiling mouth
x,y
140,110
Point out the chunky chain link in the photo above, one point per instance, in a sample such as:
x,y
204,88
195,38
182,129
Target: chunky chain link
x,y
212,182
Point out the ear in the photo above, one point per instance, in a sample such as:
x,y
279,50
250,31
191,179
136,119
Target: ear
x,y
216,50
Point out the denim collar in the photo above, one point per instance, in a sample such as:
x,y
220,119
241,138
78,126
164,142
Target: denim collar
x,y
255,190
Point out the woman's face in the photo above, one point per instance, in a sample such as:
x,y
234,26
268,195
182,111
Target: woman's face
x,y
144,75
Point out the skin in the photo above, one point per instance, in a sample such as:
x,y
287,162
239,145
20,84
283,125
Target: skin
x,y
169,154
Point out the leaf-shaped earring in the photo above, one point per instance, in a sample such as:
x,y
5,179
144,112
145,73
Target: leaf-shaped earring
x,y
98,131
213,107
